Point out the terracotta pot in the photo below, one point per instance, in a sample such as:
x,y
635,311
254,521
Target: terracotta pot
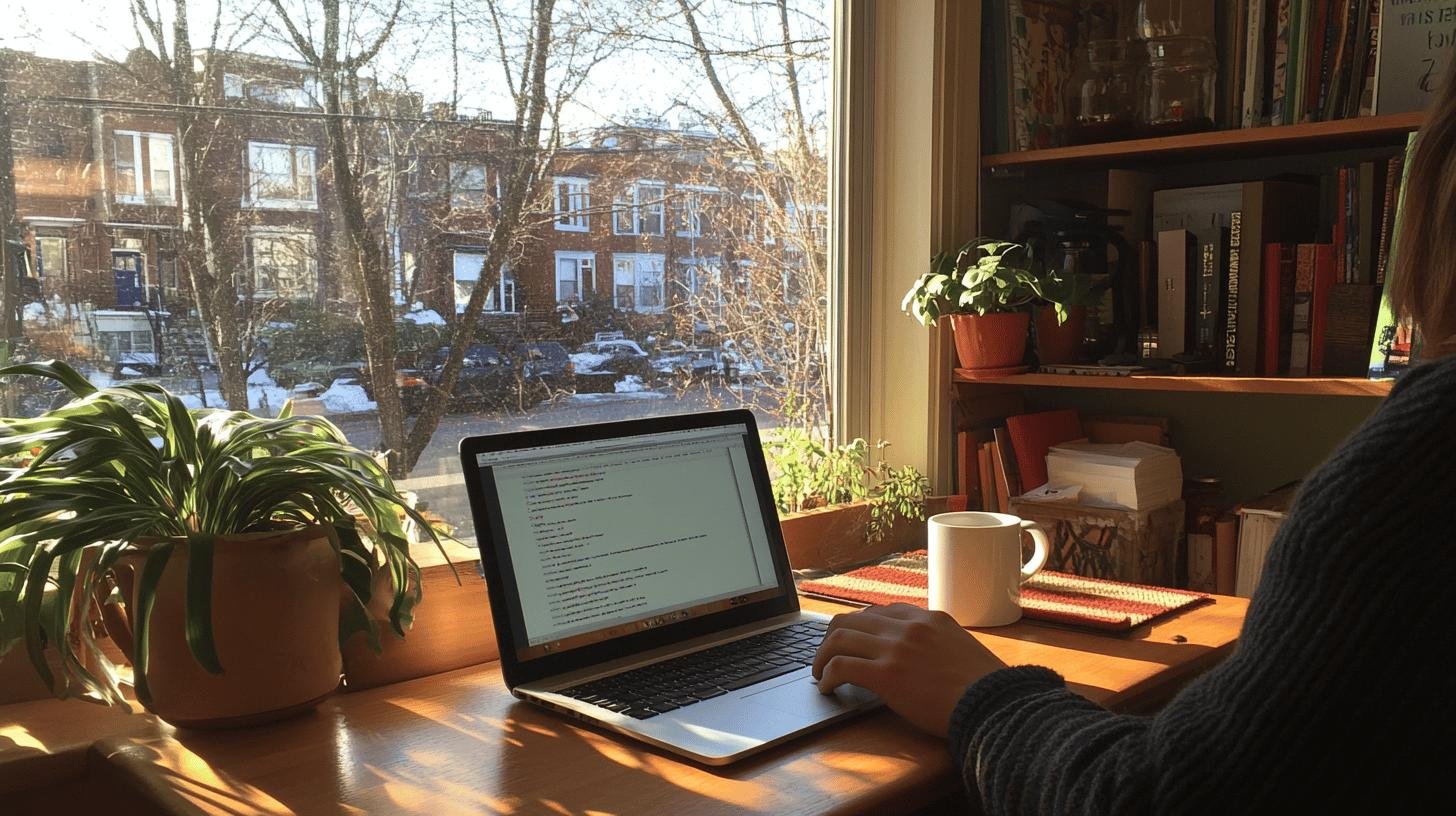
x,y
275,613
1060,343
992,340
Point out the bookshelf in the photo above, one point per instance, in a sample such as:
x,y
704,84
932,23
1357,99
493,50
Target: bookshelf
x,y
1344,134
1288,386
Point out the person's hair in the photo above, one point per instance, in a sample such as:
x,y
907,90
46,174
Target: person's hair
x,y
1424,283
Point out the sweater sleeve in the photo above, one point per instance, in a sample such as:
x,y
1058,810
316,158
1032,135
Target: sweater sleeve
x,y
1332,687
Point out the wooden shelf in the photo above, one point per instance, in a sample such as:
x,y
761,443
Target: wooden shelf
x,y
1366,131
1297,386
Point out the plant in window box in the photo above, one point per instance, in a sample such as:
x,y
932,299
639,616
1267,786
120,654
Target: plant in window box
x,y
987,289
228,555
837,505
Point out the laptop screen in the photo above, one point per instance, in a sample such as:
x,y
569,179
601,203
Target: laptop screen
x,y
608,537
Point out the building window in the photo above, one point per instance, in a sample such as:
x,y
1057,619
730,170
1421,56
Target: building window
x,y
50,257
282,176
144,170
639,209
283,265
572,200
467,267
637,282
467,185
701,281
575,275
690,210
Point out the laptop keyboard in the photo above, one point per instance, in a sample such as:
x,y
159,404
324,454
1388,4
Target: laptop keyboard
x,y
651,690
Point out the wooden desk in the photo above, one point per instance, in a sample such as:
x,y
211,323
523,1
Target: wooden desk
x,y
458,743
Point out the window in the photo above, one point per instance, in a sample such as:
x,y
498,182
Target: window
x,y
639,210
572,201
282,176
691,210
144,170
50,257
283,264
467,267
701,281
637,282
467,185
575,275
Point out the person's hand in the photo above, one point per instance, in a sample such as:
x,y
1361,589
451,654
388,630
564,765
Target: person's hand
x,y
918,662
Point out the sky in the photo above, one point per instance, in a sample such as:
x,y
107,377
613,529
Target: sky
x,y
644,78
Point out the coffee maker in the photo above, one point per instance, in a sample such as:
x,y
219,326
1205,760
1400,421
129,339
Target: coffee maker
x,y
1073,241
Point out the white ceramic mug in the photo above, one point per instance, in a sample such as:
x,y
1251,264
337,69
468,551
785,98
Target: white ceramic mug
x,y
975,566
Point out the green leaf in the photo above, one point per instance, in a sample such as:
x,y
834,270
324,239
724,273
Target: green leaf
x,y
146,599
200,549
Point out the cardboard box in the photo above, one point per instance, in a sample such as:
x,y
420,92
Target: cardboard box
x,y
1138,547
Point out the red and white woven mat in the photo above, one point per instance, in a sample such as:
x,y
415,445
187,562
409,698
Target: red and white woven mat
x,y
1096,603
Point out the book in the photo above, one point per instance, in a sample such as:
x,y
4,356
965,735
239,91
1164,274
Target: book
x,y
1414,50
1322,57
1393,171
1350,319
1299,338
1175,250
1208,293
1278,308
1369,193
1360,64
1324,282
1395,343
1032,435
1231,294
1280,78
1272,212
1129,476
1254,77
1009,477
1366,107
1259,522
986,478
1225,554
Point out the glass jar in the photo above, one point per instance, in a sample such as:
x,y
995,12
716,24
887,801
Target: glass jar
x,y
1104,94
1182,72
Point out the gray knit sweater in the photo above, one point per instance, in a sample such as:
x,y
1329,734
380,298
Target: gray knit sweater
x,y
1339,694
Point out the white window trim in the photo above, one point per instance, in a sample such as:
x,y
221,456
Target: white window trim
x,y
695,198
279,203
573,215
484,180
252,258
141,163
578,257
506,275
636,258
635,209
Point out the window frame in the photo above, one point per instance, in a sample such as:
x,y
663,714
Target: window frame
x,y
573,218
281,234
42,269
578,258
505,290
143,166
692,208
458,200
254,201
637,259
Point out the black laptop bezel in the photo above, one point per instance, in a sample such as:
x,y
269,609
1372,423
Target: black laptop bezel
x,y
490,534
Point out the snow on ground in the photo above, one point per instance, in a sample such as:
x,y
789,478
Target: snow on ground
x,y
424,317
346,397
630,384
588,360
620,397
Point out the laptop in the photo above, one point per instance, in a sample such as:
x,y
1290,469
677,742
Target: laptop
x,y
639,582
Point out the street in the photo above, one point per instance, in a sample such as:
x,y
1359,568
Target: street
x,y
437,477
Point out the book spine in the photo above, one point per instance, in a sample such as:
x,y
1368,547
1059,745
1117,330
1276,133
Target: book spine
x,y
1387,214
1369,188
1326,25
1225,553
1254,64
1346,78
1281,66
1298,54
1360,64
1231,294
1273,255
1205,323
1019,108
1349,321
1324,281
1299,336
1342,187
1231,34
1372,59
1173,292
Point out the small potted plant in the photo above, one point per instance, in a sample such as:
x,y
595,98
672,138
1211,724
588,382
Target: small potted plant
x,y
228,555
986,288
837,505
1059,317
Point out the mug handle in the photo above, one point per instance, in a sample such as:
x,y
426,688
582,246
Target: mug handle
x,y
1039,554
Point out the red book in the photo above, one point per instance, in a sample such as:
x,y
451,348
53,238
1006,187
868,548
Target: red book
x,y
1324,281
1342,192
1273,254
1032,435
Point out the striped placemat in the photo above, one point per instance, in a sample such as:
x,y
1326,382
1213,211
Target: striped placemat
x,y
1096,603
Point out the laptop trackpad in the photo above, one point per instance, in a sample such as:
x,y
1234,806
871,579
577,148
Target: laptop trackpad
x,y
801,697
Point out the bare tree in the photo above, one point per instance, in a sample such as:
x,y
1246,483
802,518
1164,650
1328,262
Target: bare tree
x,y
211,245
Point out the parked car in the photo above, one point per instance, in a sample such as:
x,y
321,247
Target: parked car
x,y
685,364
289,374
601,363
545,367
487,378
133,364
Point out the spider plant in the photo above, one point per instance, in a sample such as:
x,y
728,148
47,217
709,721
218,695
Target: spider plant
x,y
84,484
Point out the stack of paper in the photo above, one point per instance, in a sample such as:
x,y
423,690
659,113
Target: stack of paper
x,y
1259,523
1129,476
